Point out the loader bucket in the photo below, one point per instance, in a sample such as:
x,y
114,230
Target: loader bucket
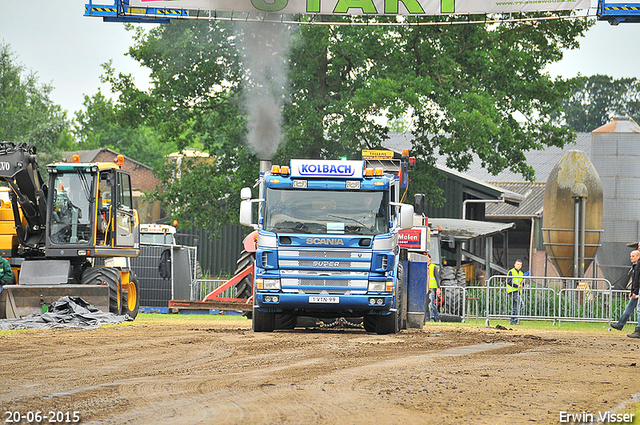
x,y
22,300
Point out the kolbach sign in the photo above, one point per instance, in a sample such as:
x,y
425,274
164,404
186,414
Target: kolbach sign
x,y
367,7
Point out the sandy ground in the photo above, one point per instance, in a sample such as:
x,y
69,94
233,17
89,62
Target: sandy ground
x,y
220,372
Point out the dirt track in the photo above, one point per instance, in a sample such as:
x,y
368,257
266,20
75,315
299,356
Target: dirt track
x,y
219,372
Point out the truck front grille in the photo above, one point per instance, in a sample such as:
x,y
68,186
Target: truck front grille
x,y
324,282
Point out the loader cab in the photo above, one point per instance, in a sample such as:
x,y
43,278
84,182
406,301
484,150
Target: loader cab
x,y
89,205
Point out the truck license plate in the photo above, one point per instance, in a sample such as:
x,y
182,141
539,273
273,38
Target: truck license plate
x,y
326,300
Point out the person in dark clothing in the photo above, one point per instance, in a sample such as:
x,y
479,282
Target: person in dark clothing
x,y
635,287
6,274
633,301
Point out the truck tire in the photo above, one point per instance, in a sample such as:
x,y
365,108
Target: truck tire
x,y
130,297
369,323
244,288
263,322
388,324
106,276
285,321
450,318
401,298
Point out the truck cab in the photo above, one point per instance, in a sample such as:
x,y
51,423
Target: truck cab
x,y
327,244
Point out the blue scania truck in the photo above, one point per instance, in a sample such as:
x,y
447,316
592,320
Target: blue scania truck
x,y
327,245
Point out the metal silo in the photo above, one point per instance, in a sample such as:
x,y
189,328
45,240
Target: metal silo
x,y
572,219
615,152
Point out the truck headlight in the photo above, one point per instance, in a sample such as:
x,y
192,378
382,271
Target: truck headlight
x,y
376,286
262,283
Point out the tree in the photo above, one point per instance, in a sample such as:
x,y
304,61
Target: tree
x,y
595,100
195,101
100,125
27,114
467,89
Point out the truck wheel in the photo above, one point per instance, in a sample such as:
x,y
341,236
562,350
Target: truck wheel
x,y
388,324
401,298
263,322
450,318
130,298
285,321
106,276
244,288
369,323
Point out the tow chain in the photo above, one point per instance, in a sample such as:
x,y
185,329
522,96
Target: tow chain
x,y
341,322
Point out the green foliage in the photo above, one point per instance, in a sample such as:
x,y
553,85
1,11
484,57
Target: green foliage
x,y
102,125
27,114
595,100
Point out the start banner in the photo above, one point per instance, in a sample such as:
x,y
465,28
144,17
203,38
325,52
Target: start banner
x,y
368,7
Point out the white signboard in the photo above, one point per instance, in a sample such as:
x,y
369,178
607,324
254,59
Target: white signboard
x,y
368,7
318,168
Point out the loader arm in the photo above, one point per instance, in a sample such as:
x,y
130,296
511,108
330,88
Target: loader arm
x,y
19,169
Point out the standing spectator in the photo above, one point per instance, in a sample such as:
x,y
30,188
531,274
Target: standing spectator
x,y
433,283
6,274
633,301
514,286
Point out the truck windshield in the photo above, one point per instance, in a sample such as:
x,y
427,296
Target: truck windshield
x,y
71,214
326,212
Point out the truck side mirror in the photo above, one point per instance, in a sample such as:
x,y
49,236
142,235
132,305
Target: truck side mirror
x,y
246,213
406,217
245,193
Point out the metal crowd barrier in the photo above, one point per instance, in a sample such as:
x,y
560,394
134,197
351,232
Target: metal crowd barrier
x,y
209,285
619,302
551,298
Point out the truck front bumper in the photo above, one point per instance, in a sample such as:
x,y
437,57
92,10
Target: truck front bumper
x,y
278,301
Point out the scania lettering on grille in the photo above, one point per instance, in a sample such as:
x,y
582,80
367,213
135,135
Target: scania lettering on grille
x,y
326,169
324,241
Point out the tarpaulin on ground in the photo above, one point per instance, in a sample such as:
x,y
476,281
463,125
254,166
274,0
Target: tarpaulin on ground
x,y
67,312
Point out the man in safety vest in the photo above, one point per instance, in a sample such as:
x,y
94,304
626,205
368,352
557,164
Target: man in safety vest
x,y
514,285
433,285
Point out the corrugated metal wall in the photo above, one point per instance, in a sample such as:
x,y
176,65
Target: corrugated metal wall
x,y
615,156
452,191
217,256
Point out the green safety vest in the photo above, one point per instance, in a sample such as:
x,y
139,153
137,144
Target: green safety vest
x,y
516,279
433,283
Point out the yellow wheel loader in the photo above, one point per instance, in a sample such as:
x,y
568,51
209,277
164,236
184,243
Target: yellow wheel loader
x,y
70,237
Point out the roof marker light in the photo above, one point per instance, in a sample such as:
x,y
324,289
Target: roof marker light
x,y
275,169
75,158
284,170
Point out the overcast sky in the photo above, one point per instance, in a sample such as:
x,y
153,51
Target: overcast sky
x,y
64,48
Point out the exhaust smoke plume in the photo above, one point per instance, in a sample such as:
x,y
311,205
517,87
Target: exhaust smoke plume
x,y
263,48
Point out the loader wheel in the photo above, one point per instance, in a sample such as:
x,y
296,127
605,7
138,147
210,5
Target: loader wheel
x,y
106,276
244,288
130,298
